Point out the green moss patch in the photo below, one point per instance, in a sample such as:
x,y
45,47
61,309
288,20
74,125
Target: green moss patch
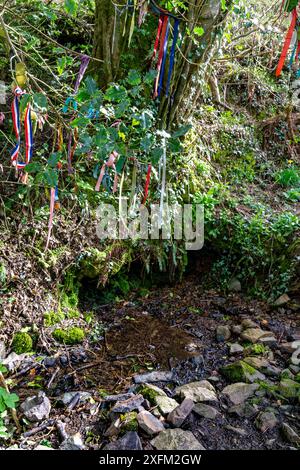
x,y
69,336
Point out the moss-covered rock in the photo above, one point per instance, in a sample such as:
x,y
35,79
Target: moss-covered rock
x,y
150,392
129,422
240,371
69,336
289,388
22,343
92,263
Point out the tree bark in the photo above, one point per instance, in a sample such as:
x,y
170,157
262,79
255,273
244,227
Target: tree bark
x,y
109,43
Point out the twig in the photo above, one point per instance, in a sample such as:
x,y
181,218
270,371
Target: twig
x,y
39,428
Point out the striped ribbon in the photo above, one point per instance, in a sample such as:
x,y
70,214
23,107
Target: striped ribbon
x,y
172,54
287,43
16,123
17,128
165,27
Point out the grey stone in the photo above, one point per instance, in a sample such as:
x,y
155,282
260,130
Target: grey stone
x,y
13,360
73,443
254,334
244,410
67,397
165,404
290,434
179,415
176,439
234,285
158,391
282,300
248,323
130,404
237,329
266,421
113,429
2,350
197,391
269,341
37,407
294,369
149,423
155,376
295,359
236,348
239,392
263,365
130,441
208,412
223,333
120,397
239,431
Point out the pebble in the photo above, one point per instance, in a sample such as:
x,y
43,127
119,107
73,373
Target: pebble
x,y
223,333
177,417
67,397
208,412
128,405
236,348
176,439
254,334
37,407
197,391
165,404
149,423
130,441
290,434
155,376
266,421
239,392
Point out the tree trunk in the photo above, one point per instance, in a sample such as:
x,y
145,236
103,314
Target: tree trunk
x,y
108,39
109,43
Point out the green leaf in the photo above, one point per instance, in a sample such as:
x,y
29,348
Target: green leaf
x,y
80,122
33,167
71,7
101,136
54,159
198,31
91,85
134,77
115,93
25,99
181,131
61,64
40,101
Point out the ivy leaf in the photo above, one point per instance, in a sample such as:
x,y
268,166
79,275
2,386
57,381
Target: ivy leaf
x,y
33,167
7,400
71,7
80,122
198,31
25,99
54,159
115,93
40,101
181,131
101,136
134,77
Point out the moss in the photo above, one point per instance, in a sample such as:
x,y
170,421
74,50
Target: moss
x,y
240,371
289,388
22,343
129,422
92,262
52,318
149,394
70,336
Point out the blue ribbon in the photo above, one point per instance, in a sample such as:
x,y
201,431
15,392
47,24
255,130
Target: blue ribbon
x,y
172,54
162,70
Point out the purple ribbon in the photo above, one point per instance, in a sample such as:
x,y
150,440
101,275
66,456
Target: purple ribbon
x,y
84,65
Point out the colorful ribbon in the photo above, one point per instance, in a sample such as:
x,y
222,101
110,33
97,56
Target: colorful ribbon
x,y
146,190
165,46
17,128
287,43
165,28
172,54
110,163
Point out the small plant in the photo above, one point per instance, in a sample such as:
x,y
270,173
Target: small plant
x,y
22,343
288,177
8,401
70,336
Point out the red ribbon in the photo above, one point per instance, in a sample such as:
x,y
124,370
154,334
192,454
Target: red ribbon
x,y
160,23
147,183
161,52
287,43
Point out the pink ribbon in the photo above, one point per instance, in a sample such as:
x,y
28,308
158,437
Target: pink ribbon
x,y
110,163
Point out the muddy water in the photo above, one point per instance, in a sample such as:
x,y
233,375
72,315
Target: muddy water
x,y
138,344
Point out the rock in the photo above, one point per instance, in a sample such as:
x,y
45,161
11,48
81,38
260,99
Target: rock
x,y
41,447
113,429
289,388
2,350
176,439
236,348
165,404
234,285
237,329
13,360
248,323
239,431
149,423
289,434
120,397
130,441
240,371
269,341
155,376
263,365
239,392
294,369
289,348
266,421
157,391
50,361
295,359
282,300
254,334
244,410
130,404
223,333
208,412
179,415
67,397
197,391
73,442
37,407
